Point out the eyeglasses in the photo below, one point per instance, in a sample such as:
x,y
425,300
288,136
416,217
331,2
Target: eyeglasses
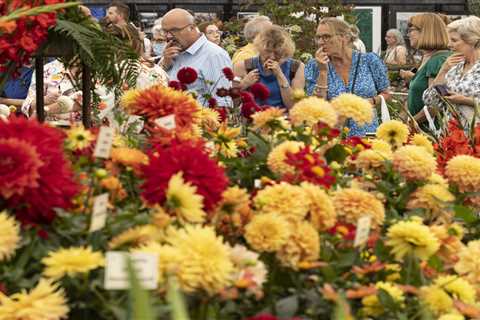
x,y
175,30
411,29
323,37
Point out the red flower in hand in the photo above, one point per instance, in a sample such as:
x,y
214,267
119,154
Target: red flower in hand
x,y
260,91
228,73
246,97
177,85
187,75
212,102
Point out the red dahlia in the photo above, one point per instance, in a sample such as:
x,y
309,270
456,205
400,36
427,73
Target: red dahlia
x,y
228,73
177,85
187,75
260,91
197,167
35,171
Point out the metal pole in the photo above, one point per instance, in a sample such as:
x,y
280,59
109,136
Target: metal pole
x,y
86,98
39,88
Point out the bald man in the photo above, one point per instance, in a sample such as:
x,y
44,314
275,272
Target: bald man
x,y
188,47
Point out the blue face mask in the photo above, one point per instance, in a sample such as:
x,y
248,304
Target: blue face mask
x,y
158,48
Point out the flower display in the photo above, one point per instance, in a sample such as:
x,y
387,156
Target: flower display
x,y
71,261
9,236
352,204
351,106
284,199
198,169
312,110
267,232
414,162
46,180
187,75
204,260
182,199
411,237
394,132
276,158
464,172
302,246
468,264
322,214
45,301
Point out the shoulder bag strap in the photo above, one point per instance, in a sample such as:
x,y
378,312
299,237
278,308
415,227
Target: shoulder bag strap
x,y
355,73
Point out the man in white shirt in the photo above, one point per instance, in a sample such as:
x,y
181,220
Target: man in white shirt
x,y
188,47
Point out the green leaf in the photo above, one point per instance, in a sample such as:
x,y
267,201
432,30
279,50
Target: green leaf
x,y
436,263
465,213
175,299
336,153
139,297
386,300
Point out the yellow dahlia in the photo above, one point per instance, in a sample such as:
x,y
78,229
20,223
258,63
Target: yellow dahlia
x,y
227,149
436,299
78,138
136,236
266,118
322,211
160,217
352,204
128,98
208,118
394,132
468,264
432,197
45,301
183,200
71,261
414,162
167,258
204,260
371,303
422,141
351,106
457,288
267,232
9,236
435,178
452,316
129,156
284,199
276,157
303,245
411,237
464,172
233,199
312,110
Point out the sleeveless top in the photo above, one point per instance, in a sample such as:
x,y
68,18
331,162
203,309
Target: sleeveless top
x,y
269,80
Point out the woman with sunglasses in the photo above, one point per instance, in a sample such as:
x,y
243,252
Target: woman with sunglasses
x,y
337,68
428,33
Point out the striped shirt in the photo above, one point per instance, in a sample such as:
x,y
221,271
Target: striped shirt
x,y
208,60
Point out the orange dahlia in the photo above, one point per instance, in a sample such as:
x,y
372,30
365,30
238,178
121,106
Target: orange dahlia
x,y
352,204
129,156
414,162
464,172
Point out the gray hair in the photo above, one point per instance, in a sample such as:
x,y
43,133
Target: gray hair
x,y
157,28
254,27
468,28
398,35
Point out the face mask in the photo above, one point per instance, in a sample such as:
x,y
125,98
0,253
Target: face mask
x,y
158,48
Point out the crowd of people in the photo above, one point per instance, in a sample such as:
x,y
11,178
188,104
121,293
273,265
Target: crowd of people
x,y
448,70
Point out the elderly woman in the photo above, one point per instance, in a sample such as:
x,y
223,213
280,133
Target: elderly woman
x,y
250,31
396,53
461,71
274,67
427,32
337,68
211,31
158,41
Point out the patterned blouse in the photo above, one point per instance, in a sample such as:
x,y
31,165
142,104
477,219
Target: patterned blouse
x,y
467,85
367,73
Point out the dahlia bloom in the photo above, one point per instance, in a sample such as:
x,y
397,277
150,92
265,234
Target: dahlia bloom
x,y
414,162
312,110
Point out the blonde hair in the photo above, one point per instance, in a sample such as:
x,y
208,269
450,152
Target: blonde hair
x,y
468,29
433,31
275,39
339,27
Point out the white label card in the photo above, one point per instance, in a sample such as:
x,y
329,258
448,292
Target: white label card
x,y
104,143
167,122
116,271
99,213
363,231
257,183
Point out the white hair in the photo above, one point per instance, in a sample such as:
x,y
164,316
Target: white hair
x,y
468,28
254,27
398,36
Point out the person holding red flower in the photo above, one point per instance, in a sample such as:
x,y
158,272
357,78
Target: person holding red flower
x,y
274,67
187,48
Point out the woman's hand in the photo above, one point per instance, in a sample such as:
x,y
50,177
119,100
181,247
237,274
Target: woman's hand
x,y
452,61
251,78
406,75
273,66
456,98
322,59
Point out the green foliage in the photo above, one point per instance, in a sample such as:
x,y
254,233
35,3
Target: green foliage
x,y
139,297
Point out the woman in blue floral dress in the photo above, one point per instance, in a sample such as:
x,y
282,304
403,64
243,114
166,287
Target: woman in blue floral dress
x,y
337,69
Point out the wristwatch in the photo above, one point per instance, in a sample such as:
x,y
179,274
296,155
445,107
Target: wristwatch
x,y
286,86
